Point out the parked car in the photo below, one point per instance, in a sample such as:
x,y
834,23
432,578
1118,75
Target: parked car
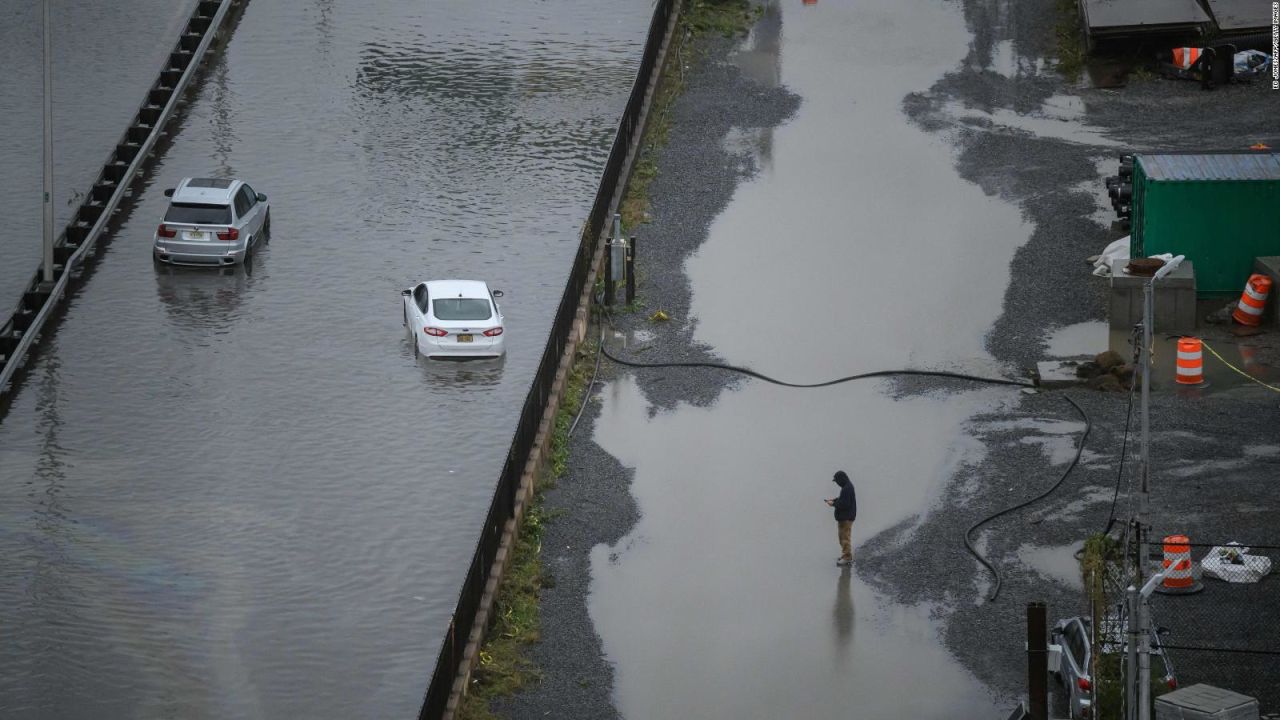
x,y
1071,659
211,221
454,319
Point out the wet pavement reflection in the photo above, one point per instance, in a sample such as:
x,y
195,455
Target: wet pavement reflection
x,y
236,493
857,247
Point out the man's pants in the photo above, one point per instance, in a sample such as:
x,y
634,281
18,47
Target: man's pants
x,y
844,530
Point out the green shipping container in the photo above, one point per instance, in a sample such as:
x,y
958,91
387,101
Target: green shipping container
x,y
1220,210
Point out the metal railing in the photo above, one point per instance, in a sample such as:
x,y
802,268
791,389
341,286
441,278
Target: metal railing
x,y
20,330
502,508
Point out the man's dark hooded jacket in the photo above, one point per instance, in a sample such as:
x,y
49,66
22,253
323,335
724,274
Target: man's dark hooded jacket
x,y
846,504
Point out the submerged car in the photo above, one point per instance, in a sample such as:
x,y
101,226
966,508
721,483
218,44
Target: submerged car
x,y
454,319
1070,658
211,222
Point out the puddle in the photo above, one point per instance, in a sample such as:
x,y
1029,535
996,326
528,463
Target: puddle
x,y
719,603
724,602
1057,562
1086,338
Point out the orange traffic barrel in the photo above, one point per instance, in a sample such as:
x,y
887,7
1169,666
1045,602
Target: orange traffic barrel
x,y
1252,301
1190,361
1178,577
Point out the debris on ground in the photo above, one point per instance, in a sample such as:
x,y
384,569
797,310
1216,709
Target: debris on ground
x,y
1233,563
1252,64
659,316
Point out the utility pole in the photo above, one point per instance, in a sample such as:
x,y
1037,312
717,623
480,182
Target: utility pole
x,y
48,149
1139,631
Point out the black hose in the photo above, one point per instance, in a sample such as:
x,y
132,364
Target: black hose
x,y
1124,446
1088,424
586,392
968,543
828,383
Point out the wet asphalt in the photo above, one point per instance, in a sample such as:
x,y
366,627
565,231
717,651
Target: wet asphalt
x,y
1026,136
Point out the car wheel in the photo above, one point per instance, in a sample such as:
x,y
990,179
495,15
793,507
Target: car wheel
x,y
266,228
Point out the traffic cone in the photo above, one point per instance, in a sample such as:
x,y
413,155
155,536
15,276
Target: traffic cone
x,y
1253,300
1190,361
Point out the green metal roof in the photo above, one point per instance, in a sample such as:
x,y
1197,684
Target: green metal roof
x,y
1215,166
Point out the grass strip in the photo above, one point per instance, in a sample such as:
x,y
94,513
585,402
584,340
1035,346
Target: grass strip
x,y
505,666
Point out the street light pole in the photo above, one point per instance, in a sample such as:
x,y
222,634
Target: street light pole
x,y
48,148
1140,687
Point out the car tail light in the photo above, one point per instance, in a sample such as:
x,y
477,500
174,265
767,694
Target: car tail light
x,y
1084,684
166,231
1172,682
493,332
435,332
229,234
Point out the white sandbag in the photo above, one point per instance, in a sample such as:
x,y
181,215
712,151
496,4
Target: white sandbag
x,y
1233,563
1115,251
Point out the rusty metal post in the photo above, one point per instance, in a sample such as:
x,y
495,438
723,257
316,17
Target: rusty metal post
x,y
1037,661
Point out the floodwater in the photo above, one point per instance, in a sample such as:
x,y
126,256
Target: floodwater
x,y
724,602
238,495
105,57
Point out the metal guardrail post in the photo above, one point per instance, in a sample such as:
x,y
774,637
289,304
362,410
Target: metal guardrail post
x,y
1037,661
631,270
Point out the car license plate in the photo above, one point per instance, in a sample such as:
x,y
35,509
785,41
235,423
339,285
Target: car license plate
x,y
464,338
195,234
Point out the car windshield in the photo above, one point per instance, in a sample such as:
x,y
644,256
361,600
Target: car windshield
x,y
461,309
197,214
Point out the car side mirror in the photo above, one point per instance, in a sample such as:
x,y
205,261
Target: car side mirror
x,y
406,293
262,197
1162,630
497,293
168,192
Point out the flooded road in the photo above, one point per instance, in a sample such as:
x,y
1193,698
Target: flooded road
x,y
856,247
105,57
238,495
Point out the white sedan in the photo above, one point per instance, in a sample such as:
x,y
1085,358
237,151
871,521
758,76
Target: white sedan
x,y
454,319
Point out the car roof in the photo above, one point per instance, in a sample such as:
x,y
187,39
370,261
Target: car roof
x,y
211,191
457,288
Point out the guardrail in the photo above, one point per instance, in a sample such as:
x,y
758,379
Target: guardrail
x,y
20,331
450,664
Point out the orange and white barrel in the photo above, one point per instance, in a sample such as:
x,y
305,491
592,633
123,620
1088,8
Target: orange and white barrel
x,y
1253,300
1177,563
1190,361
1185,57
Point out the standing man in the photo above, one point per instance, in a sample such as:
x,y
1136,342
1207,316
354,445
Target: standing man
x,y
846,506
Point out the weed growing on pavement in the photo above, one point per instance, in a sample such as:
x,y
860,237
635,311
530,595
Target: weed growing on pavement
x,y
1071,47
505,666
729,18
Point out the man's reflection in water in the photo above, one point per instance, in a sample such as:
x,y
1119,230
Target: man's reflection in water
x,y
843,614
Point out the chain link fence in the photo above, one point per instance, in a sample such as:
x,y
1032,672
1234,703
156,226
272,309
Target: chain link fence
x,y
1218,623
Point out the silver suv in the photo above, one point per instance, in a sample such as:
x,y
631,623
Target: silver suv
x,y
1070,658
212,222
